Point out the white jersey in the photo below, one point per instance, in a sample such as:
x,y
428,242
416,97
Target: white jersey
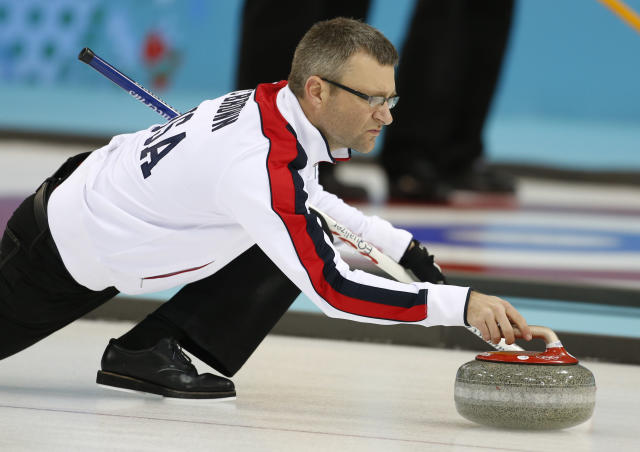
x,y
177,202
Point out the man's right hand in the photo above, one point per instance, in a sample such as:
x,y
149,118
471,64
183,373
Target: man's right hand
x,y
494,318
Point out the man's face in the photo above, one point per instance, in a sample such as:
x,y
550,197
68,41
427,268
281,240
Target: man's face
x,y
348,120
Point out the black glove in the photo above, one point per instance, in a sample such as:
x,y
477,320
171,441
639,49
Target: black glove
x,y
421,263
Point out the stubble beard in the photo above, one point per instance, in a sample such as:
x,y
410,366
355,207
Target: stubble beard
x,y
364,144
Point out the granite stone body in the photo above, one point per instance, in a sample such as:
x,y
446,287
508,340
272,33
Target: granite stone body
x,y
525,396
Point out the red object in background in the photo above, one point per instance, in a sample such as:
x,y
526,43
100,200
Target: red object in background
x,y
154,48
160,81
160,58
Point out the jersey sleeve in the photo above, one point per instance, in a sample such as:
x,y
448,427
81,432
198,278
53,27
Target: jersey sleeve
x,y
383,235
269,200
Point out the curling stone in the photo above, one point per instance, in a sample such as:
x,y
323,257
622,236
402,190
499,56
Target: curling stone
x,y
525,389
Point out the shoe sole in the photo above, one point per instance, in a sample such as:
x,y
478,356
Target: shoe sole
x,y
122,382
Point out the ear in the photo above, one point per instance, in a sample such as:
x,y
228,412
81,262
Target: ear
x,y
315,91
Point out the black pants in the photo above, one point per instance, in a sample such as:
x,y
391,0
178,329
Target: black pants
x,y
227,315
271,30
449,66
224,317
37,294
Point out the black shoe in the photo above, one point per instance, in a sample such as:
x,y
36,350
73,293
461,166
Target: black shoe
x,y
420,183
330,183
163,369
484,179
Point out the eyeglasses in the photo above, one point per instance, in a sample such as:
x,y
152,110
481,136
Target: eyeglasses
x,y
374,101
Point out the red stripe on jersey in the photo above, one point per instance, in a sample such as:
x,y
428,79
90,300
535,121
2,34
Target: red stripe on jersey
x,y
284,155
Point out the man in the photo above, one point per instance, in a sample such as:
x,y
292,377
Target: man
x,y
220,191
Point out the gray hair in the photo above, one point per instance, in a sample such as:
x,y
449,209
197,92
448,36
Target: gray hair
x,y
326,47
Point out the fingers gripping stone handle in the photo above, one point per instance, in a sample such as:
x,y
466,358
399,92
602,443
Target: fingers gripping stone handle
x,y
549,337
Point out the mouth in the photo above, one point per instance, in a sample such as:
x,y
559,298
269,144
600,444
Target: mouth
x,y
374,131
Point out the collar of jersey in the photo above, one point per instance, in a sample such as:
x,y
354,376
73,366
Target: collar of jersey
x,y
311,139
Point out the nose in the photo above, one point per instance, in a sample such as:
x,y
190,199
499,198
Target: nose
x,y
383,114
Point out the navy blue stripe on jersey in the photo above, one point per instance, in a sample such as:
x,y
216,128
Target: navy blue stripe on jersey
x,y
286,157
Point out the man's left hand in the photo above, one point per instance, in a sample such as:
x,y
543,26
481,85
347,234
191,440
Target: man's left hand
x,y
421,263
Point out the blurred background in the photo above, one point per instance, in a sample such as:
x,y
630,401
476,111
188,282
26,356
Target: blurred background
x,y
564,121
566,97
